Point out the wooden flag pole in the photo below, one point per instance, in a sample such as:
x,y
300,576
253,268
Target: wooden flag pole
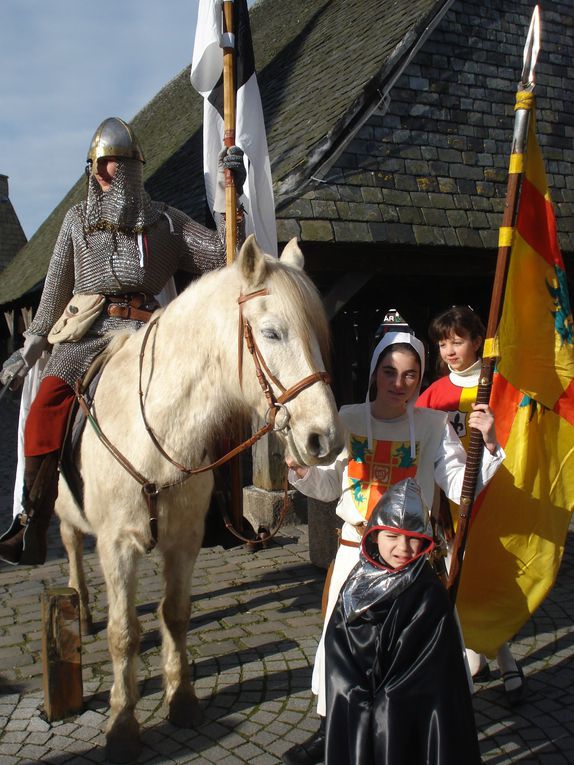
x,y
524,100
229,99
229,104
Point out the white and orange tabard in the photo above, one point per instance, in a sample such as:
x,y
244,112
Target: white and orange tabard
x,y
360,476
370,472
365,474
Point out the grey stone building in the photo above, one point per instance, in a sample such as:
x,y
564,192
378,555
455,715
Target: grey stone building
x,y
12,236
12,239
389,129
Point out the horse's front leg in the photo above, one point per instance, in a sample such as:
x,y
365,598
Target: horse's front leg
x,y
73,540
119,561
174,613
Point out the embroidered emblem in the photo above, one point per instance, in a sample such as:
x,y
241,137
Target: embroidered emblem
x,y
372,472
563,322
458,422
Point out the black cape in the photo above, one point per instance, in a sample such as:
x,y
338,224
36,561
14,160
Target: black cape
x,y
397,688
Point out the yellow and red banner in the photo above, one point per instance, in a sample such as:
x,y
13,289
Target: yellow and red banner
x,y
517,535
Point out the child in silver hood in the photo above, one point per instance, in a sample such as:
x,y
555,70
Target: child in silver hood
x,y
397,688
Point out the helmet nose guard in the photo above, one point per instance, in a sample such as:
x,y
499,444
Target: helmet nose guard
x,y
114,138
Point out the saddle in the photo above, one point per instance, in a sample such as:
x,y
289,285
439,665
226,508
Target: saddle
x,y
134,305
74,429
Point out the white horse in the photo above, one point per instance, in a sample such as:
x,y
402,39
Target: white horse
x,y
190,389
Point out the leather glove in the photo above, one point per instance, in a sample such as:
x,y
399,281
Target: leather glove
x,y
14,370
17,366
229,159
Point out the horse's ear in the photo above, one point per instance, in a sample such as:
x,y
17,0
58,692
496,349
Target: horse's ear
x,y
292,255
251,262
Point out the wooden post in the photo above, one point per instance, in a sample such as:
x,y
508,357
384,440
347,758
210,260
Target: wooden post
x,y
61,653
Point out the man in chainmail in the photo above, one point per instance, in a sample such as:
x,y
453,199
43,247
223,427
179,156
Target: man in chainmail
x,y
118,243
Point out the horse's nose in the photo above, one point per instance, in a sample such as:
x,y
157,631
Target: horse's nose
x,y
324,444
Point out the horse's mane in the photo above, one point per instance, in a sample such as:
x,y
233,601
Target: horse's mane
x,y
302,304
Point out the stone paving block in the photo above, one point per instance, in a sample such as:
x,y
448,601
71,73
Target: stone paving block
x,y
86,757
84,734
14,737
231,760
61,742
31,752
91,719
264,759
16,724
263,738
7,749
167,746
280,746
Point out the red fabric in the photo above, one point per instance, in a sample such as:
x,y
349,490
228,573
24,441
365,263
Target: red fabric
x,y
46,422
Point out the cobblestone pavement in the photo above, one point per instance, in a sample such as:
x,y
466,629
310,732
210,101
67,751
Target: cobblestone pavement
x,y
252,637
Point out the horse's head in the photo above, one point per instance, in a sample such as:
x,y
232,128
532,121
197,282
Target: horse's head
x,y
284,316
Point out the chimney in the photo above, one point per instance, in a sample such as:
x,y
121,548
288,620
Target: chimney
x,y
3,188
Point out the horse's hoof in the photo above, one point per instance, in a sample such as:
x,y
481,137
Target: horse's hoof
x,y
123,742
184,710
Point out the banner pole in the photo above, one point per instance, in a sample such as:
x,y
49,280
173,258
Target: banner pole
x,y
229,102
523,104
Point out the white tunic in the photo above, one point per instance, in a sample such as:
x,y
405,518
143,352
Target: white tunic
x,y
360,476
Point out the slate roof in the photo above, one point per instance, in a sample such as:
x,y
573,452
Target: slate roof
x,y
12,236
389,123
430,167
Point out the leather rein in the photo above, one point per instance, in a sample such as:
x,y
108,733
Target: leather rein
x,y
151,489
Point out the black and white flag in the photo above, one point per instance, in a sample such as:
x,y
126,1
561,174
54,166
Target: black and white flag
x,y
207,79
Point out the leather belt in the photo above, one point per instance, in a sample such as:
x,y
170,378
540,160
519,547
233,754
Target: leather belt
x,y
135,305
348,543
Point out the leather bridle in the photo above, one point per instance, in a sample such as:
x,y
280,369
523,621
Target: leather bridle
x,y
287,394
151,489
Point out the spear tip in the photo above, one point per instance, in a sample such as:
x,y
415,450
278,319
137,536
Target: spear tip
x,y
531,49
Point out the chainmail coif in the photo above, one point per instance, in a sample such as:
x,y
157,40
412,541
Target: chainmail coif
x,y
126,205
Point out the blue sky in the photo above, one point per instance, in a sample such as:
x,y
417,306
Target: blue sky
x,y
64,66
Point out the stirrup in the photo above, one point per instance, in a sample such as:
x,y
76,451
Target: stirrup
x,y
12,540
35,547
17,522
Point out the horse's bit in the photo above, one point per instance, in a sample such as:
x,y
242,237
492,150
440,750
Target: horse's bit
x,y
150,489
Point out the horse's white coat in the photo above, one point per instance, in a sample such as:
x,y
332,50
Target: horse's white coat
x,y
191,390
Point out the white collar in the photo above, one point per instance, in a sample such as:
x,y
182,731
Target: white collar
x,y
466,378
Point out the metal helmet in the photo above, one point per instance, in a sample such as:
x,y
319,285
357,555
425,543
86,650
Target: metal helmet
x,y
114,138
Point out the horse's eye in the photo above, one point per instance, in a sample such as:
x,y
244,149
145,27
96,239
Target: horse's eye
x,y
270,334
